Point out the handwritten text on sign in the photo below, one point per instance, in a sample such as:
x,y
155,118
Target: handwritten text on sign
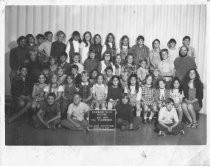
x,y
102,119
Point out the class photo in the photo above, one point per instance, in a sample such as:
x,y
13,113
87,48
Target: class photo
x,y
105,75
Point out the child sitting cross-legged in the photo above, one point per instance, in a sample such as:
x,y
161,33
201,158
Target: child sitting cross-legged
x,y
76,115
168,121
49,114
125,119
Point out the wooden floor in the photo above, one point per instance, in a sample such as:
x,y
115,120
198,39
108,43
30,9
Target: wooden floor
x,y
21,133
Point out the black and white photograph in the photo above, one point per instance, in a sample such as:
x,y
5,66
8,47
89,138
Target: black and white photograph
x,y
105,74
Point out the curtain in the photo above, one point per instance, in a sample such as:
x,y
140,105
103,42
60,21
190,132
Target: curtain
x,y
151,21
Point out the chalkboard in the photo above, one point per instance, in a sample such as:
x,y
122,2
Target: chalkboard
x,y
102,119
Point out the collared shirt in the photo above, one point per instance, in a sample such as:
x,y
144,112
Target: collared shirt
x,y
168,117
80,67
100,91
46,47
166,67
78,111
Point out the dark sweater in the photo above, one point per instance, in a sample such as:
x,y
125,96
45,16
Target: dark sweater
x,y
199,92
91,64
20,87
98,49
17,57
182,65
125,112
114,93
57,49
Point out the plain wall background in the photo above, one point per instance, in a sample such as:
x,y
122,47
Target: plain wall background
x,y
151,21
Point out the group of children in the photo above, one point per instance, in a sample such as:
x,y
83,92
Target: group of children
x,y
60,83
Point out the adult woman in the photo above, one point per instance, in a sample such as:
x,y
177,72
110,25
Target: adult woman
x,y
193,92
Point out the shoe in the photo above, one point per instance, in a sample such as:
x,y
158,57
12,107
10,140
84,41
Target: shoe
x,y
194,125
189,125
149,121
144,121
161,133
181,132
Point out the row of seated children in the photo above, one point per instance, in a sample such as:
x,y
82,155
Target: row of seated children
x,y
140,96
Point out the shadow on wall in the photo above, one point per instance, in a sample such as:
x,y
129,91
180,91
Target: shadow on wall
x,y
11,45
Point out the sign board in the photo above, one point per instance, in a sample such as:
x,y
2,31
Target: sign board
x,y
102,119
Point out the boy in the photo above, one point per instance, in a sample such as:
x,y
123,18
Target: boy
x,y
140,51
76,60
85,88
76,75
18,57
124,114
168,121
76,115
63,64
45,47
21,90
186,43
49,114
108,75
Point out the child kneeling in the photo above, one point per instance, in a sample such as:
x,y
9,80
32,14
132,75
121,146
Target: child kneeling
x,y
125,119
49,114
168,121
76,115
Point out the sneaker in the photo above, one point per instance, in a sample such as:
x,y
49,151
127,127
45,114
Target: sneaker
x,y
189,125
181,132
194,125
144,121
161,133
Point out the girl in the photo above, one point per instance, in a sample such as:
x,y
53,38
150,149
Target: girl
x,y
53,66
108,75
130,66
69,90
177,95
61,76
110,45
97,47
38,92
106,62
118,65
30,42
100,93
148,101
114,92
76,61
142,71
173,51
125,118
193,92
124,79
58,47
125,48
155,54
91,63
156,77
166,67
161,94
73,45
93,75
85,45
134,92
53,87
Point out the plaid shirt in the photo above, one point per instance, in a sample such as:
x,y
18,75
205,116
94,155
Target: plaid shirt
x,y
147,95
85,90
